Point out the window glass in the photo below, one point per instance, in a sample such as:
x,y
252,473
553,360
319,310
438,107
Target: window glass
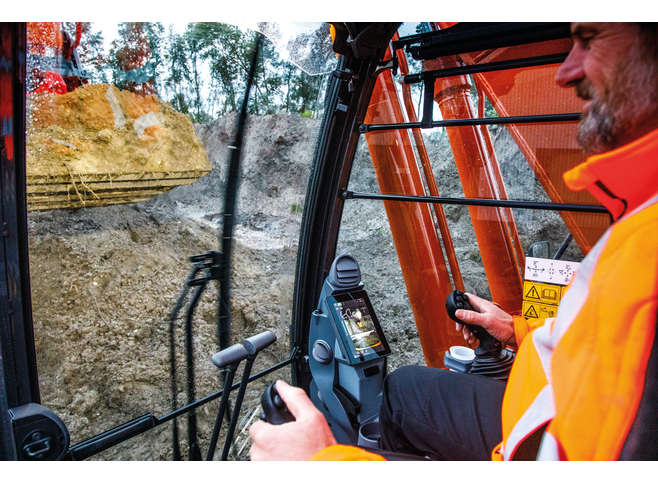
x,y
441,247
128,148
365,234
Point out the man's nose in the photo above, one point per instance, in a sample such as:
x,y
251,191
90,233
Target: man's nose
x,y
571,71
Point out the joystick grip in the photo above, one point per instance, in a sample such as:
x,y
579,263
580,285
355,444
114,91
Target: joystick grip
x,y
490,358
275,410
459,300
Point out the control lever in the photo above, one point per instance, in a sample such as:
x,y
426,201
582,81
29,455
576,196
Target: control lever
x,y
490,358
275,410
230,359
253,345
488,345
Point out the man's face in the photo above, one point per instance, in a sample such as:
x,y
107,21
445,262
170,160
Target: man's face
x,y
609,68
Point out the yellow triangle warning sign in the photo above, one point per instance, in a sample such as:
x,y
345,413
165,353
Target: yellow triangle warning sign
x,y
531,313
532,293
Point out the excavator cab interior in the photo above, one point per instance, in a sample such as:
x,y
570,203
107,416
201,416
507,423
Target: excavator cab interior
x,y
432,162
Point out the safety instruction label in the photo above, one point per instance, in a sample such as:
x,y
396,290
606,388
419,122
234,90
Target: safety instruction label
x,y
542,292
545,270
536,310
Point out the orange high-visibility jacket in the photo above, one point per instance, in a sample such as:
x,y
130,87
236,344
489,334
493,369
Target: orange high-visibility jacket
x,y
580,376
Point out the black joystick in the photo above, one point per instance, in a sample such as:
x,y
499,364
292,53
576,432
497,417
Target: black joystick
x,y
490,358
488,345
275,410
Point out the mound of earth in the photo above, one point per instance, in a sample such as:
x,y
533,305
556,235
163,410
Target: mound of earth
x,y
99,145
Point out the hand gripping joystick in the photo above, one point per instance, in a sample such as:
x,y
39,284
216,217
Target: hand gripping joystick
x,y
275,410
490,358
488,345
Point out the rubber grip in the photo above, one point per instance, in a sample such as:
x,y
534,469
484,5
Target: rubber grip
x,y
230,355
275,410
258,342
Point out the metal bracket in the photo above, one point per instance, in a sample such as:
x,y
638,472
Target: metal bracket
x,y
393,64
346,75
211,262
345,193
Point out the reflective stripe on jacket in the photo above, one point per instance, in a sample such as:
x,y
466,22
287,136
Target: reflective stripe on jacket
x,y
580,375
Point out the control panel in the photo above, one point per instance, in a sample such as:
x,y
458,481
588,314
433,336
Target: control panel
x,y
348,351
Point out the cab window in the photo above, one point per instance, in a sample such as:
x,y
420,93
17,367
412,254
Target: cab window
x,y
129,135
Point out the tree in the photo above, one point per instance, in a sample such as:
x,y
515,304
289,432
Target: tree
x,y
178,71
194,46
130,55
226,49
155,34
203,71
207,67
305,93
268,81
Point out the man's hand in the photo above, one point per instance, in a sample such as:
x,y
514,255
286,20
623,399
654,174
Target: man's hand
x,y
294,441
496,321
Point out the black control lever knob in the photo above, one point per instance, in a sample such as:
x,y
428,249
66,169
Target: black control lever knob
x,y
275,410
258,342
490,359
230,355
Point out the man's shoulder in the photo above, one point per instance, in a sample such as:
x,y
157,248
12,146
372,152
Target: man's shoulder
x,y
633,240
641,223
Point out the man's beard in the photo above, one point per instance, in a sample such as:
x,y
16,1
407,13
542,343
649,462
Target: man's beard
x,y
629,98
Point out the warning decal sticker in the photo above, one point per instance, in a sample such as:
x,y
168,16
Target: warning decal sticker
x,y
542,292
534,310
531,313
532,293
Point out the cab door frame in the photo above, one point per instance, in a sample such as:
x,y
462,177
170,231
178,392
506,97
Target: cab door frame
x,y
346,103
19,383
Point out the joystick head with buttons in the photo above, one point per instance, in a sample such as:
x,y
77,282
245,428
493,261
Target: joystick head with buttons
x,y
275,410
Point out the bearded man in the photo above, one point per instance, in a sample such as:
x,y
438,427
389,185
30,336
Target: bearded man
x,y
584,385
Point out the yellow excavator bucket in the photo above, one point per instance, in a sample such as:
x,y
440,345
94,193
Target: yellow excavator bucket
x,y
99,145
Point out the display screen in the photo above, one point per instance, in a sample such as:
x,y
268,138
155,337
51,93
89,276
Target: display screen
x,y
358,326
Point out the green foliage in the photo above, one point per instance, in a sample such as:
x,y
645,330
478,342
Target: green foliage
x,y
202,71
278,86
296,208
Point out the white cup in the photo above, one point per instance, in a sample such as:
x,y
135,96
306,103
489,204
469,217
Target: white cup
x,y
462,353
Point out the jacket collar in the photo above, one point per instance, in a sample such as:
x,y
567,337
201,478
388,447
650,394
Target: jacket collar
x,y
621,179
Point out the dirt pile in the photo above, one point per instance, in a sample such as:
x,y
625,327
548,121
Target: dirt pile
x,y
105,279
99,145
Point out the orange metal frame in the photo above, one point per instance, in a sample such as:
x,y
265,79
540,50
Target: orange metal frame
x,y
412,224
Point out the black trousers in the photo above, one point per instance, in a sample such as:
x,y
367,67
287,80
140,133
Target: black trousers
x,y
441,414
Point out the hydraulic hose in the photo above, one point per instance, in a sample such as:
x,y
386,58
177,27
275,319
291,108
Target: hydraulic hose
x,y
224,319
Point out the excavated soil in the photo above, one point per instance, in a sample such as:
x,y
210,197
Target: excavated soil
x,y
99,143
105,279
